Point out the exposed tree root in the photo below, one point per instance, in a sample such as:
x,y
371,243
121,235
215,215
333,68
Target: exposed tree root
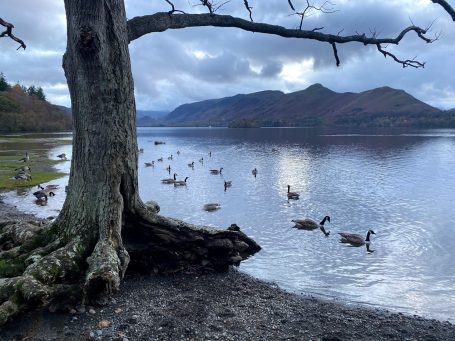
x,y
38,268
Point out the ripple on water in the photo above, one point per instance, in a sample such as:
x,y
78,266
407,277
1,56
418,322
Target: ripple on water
x,y
397,185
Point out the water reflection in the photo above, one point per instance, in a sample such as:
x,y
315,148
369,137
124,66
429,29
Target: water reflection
x,y
398,183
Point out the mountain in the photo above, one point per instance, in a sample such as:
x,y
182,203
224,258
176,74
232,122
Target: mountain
x,y
20,111
147,118
314,106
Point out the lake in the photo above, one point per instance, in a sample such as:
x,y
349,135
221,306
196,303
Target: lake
x,y
399,183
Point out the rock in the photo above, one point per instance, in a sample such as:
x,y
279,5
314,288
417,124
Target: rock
x,y
132,319
99,332
73,311
92,311
81,309
118,310
104,324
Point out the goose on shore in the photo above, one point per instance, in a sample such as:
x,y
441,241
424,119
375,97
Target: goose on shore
x,y
355,239
292,195
211,207
169,181
309,224
216,171
26,158
22,176
181,183
149,164
24,169
62,156
140,150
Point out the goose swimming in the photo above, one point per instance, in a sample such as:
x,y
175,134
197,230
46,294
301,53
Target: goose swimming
x,y
292,195
355,239
169,181
309,224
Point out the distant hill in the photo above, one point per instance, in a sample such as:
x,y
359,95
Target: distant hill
x,y
20,112
314,106
149,118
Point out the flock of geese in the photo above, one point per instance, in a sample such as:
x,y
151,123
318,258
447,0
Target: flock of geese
x,y
24,174
302,224
307,224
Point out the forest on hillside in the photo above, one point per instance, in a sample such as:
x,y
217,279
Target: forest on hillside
x,y
25,109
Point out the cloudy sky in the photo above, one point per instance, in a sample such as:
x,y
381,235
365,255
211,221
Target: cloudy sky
x,y
182,66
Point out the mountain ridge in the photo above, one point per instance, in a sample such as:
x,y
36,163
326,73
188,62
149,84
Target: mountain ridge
x,y
314,106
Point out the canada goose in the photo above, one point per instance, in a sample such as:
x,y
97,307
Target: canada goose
x,y
141,150
211,207
201,160
160,159
170,157
181,183
159,142
178,152
169,180
42,195
150,164
49,187
210,154
168,168
309,224
24,169
22,176
26,158
355,239
62,156
227,184
216,171
254,172
191,164
292,195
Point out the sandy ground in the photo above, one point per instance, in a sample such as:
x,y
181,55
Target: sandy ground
x,y
211,306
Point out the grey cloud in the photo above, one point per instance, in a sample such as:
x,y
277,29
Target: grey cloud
x,y
166,73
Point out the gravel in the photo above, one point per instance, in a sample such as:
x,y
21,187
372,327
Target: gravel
x,y
195,305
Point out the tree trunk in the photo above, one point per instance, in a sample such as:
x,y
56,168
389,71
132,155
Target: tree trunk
x,y
86,251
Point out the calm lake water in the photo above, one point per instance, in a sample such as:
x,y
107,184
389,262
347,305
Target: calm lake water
x,y
400,183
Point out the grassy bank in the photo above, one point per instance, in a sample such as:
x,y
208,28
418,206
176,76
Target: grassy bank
x,y
13,148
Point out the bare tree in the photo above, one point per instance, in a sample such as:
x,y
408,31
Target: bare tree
x,y
104,226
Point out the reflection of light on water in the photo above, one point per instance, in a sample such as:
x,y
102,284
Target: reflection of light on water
x,y
400,186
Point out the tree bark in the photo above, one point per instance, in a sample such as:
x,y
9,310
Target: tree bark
x,y
84,254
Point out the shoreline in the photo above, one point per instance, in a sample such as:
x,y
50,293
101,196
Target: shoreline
x,y
209,306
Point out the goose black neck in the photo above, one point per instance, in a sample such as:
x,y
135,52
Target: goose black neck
x,y
367,239
323,221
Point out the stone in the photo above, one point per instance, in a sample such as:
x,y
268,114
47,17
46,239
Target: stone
x,y
104,324
92,311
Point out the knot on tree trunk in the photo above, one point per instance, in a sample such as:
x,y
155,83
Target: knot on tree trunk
x,y
88,43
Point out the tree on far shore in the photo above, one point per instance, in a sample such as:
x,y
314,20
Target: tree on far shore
x,y
4,86
104,226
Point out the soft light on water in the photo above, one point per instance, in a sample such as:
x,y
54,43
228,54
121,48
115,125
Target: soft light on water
x,y
398,183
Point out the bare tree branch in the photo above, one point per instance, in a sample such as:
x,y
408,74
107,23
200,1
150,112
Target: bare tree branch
x,y
8,33
173,10
311,8
408,62
160,22
291,5
449,9
335,52
248,8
